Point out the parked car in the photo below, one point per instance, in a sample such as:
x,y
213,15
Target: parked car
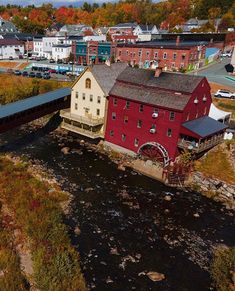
x,y
65,62
59,61
52,71
226,54
38,75
17,72
21,57
25,74
32,75
71,62
46,76
11,58
225,94
51,61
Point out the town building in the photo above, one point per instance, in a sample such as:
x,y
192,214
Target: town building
x,y
93,52
61,51
123,32
144,32
170,55
38,46
87,112
75,29
11,48
158,115
7,27
101,30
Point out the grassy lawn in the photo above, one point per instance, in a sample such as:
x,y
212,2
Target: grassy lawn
x,y
216,165
13,88
36,206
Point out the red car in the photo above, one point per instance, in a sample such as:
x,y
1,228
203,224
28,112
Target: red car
x,y
52,71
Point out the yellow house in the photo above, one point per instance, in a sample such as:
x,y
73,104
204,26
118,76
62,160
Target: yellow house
x,y
87,113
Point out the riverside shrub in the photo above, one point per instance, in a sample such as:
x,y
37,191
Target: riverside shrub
x,y
38,213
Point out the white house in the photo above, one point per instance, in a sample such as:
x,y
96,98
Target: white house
x,y
37,47
87,112
95,38
11,48
61,51
48,42
141,29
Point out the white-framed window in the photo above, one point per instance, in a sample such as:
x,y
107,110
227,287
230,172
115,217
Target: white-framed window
x,y
169,132
76,106
139,123
123,137
98,112
164,56
91,98
114,101
99,99
83,96
141,108
125,119
127,104
172,115
113,115
136,142
76,95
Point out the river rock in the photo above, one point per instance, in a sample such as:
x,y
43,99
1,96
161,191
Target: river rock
x,y
65,150
77,230
121,167
155,276
167,198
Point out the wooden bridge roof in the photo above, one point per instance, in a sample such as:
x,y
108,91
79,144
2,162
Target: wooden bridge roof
x,y
28,103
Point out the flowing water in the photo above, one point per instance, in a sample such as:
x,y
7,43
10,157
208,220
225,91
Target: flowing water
x,y
127,225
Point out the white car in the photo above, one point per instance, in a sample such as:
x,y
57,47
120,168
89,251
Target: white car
x,y
226,54
225,94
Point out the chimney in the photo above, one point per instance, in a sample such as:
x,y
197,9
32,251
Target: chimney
x,y
177,40
158,72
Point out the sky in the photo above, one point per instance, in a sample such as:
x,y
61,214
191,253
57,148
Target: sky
x,y
56,3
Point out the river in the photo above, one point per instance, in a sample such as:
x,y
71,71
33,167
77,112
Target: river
x,y
129,224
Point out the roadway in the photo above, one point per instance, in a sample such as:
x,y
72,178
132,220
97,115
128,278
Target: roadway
x,y
216,73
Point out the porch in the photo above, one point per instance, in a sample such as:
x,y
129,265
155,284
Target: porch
x,y
88,126
199,145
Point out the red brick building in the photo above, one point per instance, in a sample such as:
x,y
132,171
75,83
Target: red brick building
x,y
123,32
169,55
158,114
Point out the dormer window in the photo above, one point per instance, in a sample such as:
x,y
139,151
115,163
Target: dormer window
x,y
88,83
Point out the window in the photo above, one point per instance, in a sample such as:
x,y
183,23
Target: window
x,y
127,53
127,104
136,143
76,95
123,137
169,132
172,115
147,54
114,101
111,133
141,108
155,110
165,56
139,123
97,112
98,99
140,52
88,83
125,119
83,96
76,106
120,53
183,56
153,126
91,98
113,115
174,56
155,55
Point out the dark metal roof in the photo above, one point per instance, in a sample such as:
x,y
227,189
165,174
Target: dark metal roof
x,y
28,103
167,81
107,75
10,41
204,126
165,44
127,24
153,96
